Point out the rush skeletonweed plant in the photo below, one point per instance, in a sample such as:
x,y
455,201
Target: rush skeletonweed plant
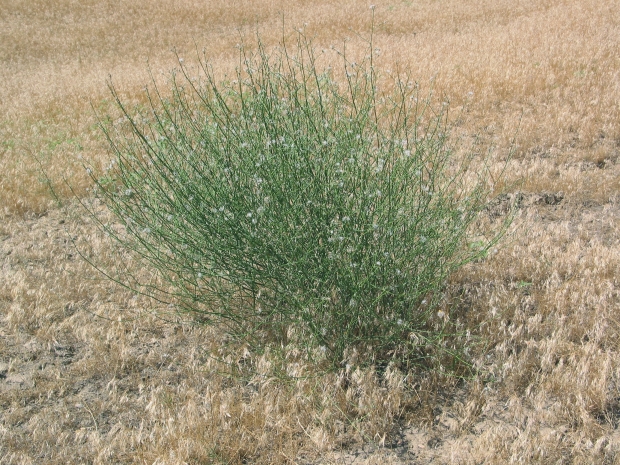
x,y
294,204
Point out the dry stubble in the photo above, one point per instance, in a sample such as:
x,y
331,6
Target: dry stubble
x,y
89,373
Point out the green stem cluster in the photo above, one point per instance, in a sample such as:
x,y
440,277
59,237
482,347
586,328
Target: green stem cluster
x,y
292,206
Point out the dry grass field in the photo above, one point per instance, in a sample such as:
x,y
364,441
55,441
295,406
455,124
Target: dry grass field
x,y
92,373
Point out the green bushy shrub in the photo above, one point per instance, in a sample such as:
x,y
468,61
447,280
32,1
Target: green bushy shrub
x,y
294,204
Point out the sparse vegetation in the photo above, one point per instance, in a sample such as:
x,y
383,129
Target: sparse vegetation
x,y
89,373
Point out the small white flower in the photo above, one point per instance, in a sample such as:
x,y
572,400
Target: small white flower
x,y
128,192
399,322
249,215
441,314
345,219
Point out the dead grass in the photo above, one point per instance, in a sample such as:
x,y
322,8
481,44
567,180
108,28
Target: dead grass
x,y
89,373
